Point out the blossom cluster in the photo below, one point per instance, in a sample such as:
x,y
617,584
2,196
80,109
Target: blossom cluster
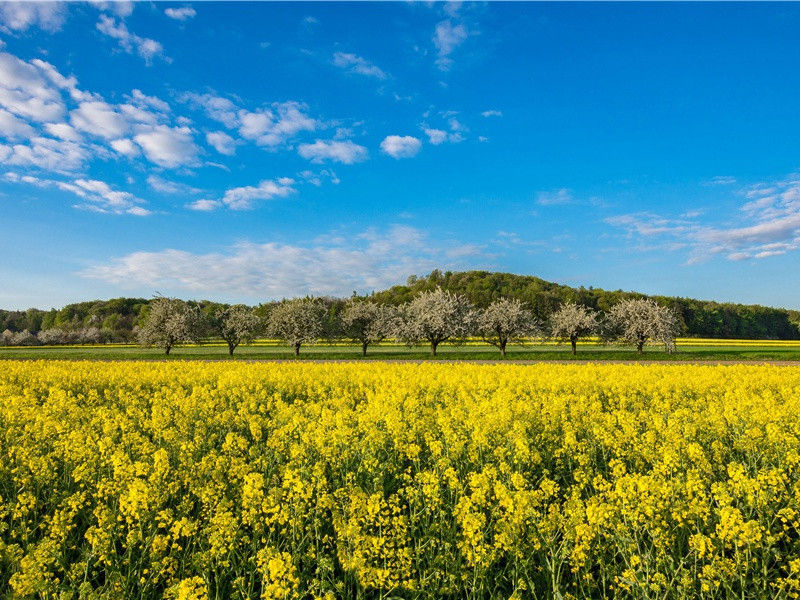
x,y
198,480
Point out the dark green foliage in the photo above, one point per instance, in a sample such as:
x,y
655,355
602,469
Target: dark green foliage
x,y
698,318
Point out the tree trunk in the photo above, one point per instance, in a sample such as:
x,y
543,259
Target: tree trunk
x,y
167,348
231,348
640,346
574,346
433,347
364,348
297,349
503,349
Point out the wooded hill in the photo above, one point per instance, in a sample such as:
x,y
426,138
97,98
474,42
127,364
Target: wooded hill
x,y
699,318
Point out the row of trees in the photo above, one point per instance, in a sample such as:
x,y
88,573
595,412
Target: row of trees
x,y
431,317
119,319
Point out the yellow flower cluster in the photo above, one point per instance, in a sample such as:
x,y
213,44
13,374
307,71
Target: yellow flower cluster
x,y
192,480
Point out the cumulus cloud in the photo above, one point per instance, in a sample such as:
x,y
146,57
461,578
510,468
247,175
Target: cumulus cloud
x,y
346,152
12,127
356,64
19,16
130,42
168,146
270,126
398,146
125,147
100,119
440,136
332,265
222,142
204,205
492,113
59,156
181,14
27,89
243,198
767,224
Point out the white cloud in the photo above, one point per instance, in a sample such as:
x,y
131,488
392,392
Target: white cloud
x,y
447,37
13,128
768,225
243,198
270,126
27,89
152,102
440,136
397,146
19,16
356,64
222,142
59,156
125,147
96,195
130,42
204,205
333,265
63,131
169,146
181,14
164,186
346,152
273,127
100,119
492,113
555,198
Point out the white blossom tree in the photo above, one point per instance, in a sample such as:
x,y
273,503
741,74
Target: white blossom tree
x,y
297,322
367,322
505,320
170,321
635,321
235,324
572,322
435,317
51,337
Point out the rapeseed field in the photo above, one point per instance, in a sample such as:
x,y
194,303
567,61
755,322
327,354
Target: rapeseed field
x,y
192,480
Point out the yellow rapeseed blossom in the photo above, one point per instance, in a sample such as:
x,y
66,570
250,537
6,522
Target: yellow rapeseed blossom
x,y
338,481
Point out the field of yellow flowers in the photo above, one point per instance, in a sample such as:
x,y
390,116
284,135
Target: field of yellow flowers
x,y
191,480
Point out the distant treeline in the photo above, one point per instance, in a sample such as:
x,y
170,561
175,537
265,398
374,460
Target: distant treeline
x,y
118,319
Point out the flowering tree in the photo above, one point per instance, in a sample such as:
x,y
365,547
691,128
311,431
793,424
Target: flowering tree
x,y
505,320
434,317
637,320
297,322
235,324
572,322
366,322
170,321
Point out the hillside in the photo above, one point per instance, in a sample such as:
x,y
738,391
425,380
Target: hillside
x,y
699,318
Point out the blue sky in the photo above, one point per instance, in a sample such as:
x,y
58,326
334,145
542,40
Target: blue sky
x,y
248,151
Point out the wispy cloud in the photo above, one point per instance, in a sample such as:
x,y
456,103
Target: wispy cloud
x,y
131,43
767,224
19,16
357,64
335,264
447,36
555,197
96,196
